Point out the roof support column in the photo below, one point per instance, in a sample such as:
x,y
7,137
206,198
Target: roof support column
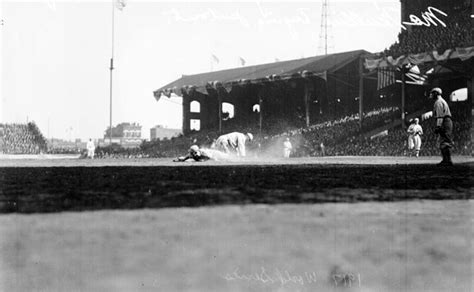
x,y
215,92
219,102
186,108
361,91
402,107
470,91
307,94
260,105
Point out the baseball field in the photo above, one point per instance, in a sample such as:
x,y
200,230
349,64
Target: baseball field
x,y
301,224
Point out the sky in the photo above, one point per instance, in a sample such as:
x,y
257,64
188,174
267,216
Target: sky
x,y
55,54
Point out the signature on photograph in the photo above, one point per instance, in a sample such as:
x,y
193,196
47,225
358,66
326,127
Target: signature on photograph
x,y
284,277
266,18
429,18
278,276
346,280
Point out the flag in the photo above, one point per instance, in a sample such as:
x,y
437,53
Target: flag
x,y
465,53
418,79
385,77
242,61
416,76
215,59
323,75
120,4
371,64
157,94
380,134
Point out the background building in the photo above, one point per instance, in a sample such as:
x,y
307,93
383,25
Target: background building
x,y
124,134
160,132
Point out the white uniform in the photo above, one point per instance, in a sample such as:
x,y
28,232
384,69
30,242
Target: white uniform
x,y
233,141
90,149
216,155
287,148
414,137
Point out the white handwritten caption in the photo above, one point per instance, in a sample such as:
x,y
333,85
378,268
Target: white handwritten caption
x,y
429,17
285,277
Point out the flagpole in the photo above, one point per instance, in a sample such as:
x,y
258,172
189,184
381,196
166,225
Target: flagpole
x,y
111,69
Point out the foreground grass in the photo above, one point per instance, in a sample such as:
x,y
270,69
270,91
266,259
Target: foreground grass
x,y
390,246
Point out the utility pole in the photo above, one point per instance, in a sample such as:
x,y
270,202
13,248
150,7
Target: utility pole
x,y
111,70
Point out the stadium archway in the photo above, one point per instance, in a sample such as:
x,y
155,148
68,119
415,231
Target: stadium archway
x,y
459,95
195,125
195,106
256,108
227,111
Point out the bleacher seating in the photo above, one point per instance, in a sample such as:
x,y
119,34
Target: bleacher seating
x,y
21,139
395,142
307,141
457,33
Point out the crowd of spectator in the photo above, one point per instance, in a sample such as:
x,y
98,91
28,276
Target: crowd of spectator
x,y
380,117
419,39
64,150
316,139
394,142
21,139
118,152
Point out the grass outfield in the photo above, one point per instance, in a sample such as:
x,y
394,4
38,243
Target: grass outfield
x,y
391,246
317,224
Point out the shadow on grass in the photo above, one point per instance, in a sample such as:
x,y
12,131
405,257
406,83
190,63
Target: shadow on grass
x,y
55,189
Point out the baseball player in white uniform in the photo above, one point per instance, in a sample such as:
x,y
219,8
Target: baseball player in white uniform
x,y
90,149
287,148
234,141
414,137
201,154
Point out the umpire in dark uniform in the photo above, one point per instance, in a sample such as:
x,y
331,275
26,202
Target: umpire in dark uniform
x,y
444,125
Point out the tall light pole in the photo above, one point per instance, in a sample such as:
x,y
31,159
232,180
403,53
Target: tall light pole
x,y
111,70
324,35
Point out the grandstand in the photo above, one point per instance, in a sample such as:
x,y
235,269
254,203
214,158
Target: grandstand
x,y
21,139
333,100
352,103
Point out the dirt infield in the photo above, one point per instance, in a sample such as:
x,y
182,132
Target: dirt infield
x,y
64,186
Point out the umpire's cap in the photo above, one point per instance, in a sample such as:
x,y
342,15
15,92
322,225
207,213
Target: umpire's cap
x,y
437,90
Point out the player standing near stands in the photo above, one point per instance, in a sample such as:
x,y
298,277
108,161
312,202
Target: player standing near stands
x,y
414,137
444,125
287,148
90,149
235,141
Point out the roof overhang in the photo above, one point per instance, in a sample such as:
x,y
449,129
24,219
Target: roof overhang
x,y
317,67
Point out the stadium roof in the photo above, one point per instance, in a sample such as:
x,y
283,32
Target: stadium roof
x,y
317,66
